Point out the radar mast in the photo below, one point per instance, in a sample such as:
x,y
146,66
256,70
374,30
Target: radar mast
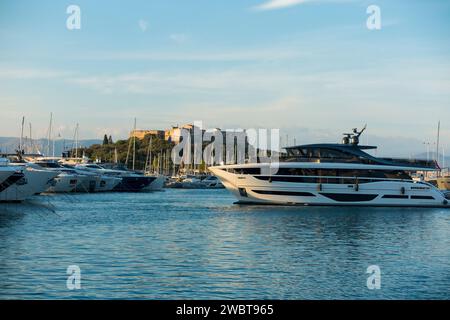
x,y
353,138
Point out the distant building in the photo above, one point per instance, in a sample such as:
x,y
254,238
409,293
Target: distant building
x,y
174,134
140,134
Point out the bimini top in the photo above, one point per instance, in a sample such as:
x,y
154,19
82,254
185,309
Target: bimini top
x,y
350,153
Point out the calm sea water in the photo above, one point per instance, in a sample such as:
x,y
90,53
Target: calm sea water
x,y
196,244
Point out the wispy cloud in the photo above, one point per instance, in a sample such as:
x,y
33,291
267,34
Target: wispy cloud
x,y
188,82
279,4
30,73
179,38
257,54
143,25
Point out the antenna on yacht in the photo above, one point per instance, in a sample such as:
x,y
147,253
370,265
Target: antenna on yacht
x,y
353,138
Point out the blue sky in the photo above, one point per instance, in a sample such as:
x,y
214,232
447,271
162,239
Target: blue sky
x,y
311,68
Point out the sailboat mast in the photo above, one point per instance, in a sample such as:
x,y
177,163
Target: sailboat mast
x,y
443,157
76,141
134,143
31,140
150,155
21,135
147,159
437,143
49,134
53,147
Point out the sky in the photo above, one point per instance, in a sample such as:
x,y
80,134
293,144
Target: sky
x,y
311,68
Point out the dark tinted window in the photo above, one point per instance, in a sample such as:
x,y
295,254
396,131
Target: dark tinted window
x,y
245,170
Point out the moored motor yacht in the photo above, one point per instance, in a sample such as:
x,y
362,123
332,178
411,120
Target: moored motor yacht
x,y
5,171
92,181
32,181
157,184
65,182
130,181
333,175
212,182
8,175
79,180
88,182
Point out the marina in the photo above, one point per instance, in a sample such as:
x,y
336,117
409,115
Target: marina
x,y
226,155
314,174
143,235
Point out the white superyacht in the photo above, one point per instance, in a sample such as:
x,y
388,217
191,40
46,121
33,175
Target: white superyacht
x,y
333,175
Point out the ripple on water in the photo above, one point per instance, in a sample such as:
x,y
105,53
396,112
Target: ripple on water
x,y
198,244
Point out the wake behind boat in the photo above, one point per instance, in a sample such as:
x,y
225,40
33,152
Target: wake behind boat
x,y
333,175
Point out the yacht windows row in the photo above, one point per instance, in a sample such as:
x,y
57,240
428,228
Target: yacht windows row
x,y
305,172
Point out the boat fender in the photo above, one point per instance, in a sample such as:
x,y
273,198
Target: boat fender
x,y
403,190
357,185
319,187
445,202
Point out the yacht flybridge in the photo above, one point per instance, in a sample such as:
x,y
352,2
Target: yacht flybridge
x,y
333,175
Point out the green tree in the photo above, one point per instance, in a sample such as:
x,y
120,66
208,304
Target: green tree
x,y
105,140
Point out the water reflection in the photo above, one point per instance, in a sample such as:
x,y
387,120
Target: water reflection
x,y
198,244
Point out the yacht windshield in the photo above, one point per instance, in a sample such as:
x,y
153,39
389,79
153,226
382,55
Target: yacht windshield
x,y
48,164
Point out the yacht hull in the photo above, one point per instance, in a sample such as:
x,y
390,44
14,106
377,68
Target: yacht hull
x,y
249,189
5,174
106,183
87,183
134,183
63,184
33,182
157,184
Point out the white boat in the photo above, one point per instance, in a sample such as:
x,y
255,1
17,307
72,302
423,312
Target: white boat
x,y
5,173
157,184
87,181
65,182
333,175
202,182
33,181
79,180
192,183
212,182
108,183
90,181
130,181
8,175
195,182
